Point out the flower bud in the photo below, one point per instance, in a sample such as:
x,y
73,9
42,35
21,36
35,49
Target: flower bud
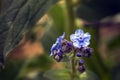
x,y
87,52
79,54
81,69
66,46
81,62
58,58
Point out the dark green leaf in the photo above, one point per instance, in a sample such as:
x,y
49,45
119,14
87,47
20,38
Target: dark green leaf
x,y
95,10
20,16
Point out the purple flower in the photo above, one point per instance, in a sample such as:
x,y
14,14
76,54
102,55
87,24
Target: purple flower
x,y
80,39
87,52
81,69
58,58
81,62
56,48
78,45
79,54
66,46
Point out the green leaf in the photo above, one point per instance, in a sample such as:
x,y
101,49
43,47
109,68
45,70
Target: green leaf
x,y
56,26
42,62
11,70
57,14
88,75
35,75
61,74
20,16
114,43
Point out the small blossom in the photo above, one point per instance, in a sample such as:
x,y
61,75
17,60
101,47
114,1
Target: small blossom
x,y
80,39
58,45
81,62
78,44
87,52
79,54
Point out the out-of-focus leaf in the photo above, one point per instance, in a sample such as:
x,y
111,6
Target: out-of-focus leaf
x,y
56,28
61,74
12,69
114,43
34,75
87,13
20,16
58,16
96,63
95,10
88,75
43,62
115,72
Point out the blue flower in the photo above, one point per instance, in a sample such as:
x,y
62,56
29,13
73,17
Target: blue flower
x,y
58,45
80,39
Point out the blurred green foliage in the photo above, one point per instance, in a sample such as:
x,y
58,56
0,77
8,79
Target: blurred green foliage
x,y
39,67
114,43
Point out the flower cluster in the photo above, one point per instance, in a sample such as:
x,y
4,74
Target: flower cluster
x,y
79,45
83,52
61,47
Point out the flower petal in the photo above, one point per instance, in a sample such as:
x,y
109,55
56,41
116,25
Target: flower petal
x,y
79,32
52,49
72,37
51,54
59,40
80,39
86,43
76,44
87,36
57,45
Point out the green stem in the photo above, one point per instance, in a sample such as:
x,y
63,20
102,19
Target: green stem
x,y
73,72
22,70
70,28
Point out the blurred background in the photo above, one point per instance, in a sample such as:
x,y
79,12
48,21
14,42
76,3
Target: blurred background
x,y
101,18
